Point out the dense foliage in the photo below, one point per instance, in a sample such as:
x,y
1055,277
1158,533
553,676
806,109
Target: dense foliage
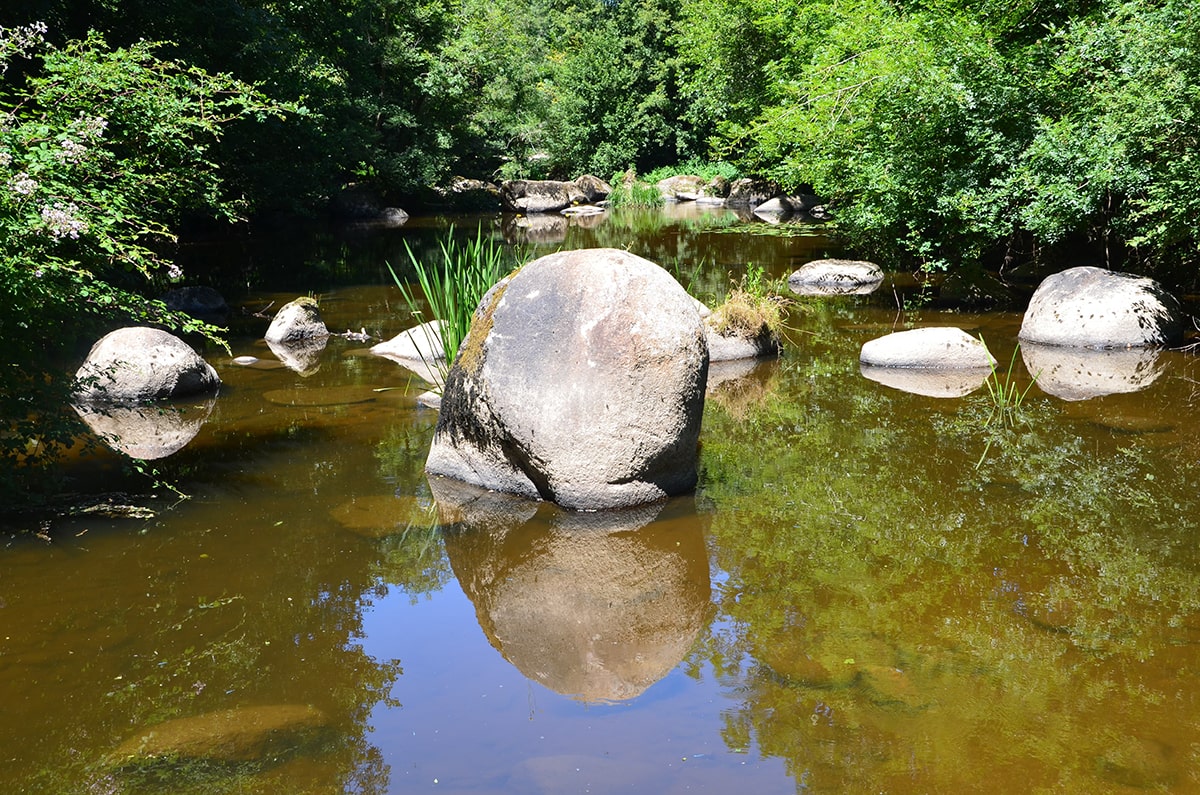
x,y
102,151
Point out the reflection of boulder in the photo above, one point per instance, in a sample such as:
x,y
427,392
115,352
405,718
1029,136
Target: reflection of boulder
x,y
147,432
738,385
598,605
932,383
537,229
302,355
1082,373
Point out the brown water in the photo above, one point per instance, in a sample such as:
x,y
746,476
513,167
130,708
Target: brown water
x,y
872,590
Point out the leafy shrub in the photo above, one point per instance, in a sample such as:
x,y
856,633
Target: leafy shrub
x,y
102,152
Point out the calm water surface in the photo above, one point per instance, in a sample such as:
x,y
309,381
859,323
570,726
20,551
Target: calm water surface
x,y
872,590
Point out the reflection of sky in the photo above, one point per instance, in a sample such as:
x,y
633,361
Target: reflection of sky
x,y
474,723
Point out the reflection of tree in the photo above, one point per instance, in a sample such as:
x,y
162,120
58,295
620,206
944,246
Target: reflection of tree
x,y
894,619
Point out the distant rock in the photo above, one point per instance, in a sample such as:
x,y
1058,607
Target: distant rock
x,y
297,320
773,211
249,734
683,188
783,208
934,348
138,364
750,193
835,277
593,189
581,382
197,301
1090,307
466,195
539,196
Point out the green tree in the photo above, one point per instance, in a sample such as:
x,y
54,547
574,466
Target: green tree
x,y
102,152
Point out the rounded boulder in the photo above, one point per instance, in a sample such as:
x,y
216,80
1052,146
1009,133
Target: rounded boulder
x,y
138,364
934,348
297,320
1089,307
581,383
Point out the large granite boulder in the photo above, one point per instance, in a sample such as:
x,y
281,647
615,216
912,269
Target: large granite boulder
x,y
138,364
1090,307
934,348
581,382
539,196
297,320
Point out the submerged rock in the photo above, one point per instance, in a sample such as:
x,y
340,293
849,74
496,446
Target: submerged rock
x,y
1090,307
248,734
581,382
136,365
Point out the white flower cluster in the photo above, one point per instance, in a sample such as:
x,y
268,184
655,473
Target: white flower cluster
x,y
20,41
88,129
22,184
71,151
63,221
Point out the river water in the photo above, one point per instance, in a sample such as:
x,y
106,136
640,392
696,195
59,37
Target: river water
x,y
872,590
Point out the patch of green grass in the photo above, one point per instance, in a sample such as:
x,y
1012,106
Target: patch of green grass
x,y
453,288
